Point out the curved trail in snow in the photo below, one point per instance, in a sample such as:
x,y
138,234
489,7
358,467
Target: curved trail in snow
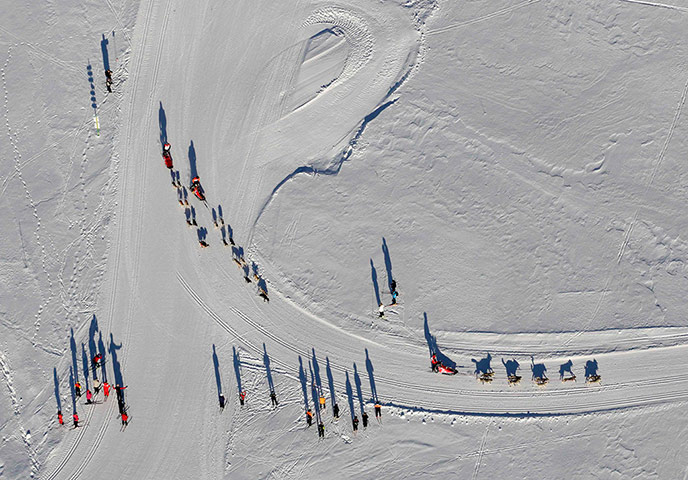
x,y
169,300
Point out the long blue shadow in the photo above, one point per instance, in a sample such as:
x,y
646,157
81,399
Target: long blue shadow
x,y
101,349
433,347
369,367
359,391
57,389
162,121
71,388
92,340
86,365
350,395
268,372
237,368
72,346
388,262
116,367
106,57
330,381
316,370
192,160
304,383
216,364
373,274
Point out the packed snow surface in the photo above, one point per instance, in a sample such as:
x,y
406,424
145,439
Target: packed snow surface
x,y
518,168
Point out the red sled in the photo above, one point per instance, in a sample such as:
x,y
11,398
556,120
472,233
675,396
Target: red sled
x,y
167,155
443,369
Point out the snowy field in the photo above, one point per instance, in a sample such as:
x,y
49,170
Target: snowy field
x,y
518,168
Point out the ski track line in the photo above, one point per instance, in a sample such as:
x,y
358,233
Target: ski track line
x,y
481,451
477,394
118,251
503,11
119,22
137,241
629,231
655,4
42,53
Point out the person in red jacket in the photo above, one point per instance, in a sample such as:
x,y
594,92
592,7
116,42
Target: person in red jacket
x,y
167,155
242,396
76,419
125,419
89,396
106,389
59,417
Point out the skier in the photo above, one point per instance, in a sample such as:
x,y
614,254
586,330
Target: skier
x,y
59,417
364,417
355,423
108,80
335,410
125,419
322,402
309,417
203,244
120,393
197,189
222,402
167,155
77,389
89,396
378,410
273,398
96,361
381,310
321,430
106,390
96,386
434,363
242,396
76,419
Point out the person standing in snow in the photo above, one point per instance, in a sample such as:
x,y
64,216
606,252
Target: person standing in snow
x,y
75,417
434,363
96,386
108,80
309,417
77,389
381,310
364,417
120,392
378,410
89,396
321,430
96,361
242,396
335,410
222,402
125,419
59,417
273,398
106,390
355,422
322,402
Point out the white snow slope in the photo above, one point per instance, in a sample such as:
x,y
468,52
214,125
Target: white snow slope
x,y
518,167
